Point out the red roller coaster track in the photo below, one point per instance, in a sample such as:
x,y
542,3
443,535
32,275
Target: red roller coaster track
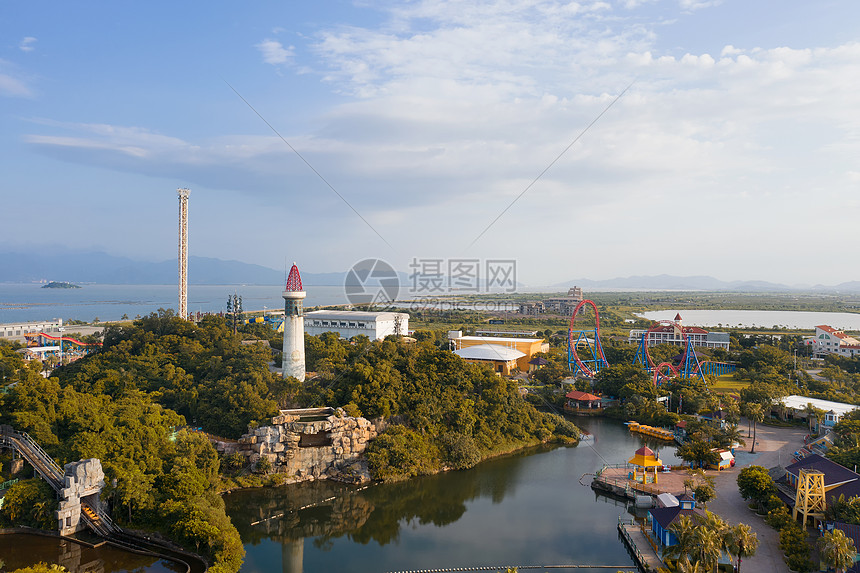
x,y
672,368
65,339
659,368
572,343
661,324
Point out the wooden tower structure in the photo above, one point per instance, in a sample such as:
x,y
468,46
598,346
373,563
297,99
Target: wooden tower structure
x,y
810,500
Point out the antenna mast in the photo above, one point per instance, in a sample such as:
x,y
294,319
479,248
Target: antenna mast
x,y
183,252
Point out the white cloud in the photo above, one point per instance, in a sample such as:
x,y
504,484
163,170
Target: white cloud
x,y
274,52
691,5
26,44
457,108
10,84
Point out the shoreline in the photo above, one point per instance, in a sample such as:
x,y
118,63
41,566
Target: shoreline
x,y
293,480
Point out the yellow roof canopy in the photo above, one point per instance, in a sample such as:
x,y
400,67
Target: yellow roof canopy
x,y
645,457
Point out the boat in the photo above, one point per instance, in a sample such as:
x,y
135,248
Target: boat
x,y
650,431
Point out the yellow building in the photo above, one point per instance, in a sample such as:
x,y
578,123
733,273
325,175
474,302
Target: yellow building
x,y
502,359
528,347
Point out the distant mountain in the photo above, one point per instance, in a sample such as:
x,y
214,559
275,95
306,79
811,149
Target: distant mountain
x,y
700,283
102,268
107,269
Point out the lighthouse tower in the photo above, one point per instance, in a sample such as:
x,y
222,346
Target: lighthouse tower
x,y
294,326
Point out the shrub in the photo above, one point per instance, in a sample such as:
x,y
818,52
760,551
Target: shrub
x,y
401,452
791,538
779,517
461,451
799,562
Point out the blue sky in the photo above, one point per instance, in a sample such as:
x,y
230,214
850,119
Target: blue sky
x,y
733,153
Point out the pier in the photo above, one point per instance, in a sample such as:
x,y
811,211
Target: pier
x,y
639,544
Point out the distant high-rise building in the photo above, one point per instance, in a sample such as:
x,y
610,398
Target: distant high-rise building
x,y
293,358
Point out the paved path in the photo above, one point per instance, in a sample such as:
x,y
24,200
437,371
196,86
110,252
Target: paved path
x,y
774,447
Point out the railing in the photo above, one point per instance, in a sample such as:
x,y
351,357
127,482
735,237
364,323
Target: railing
x,y
630,543
8,483
48,460
34,455
611,466
107,521
626,485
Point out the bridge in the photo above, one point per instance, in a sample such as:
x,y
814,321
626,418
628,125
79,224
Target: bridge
x,y
78,485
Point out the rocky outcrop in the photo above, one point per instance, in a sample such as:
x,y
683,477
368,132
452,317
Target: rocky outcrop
x,y
314,443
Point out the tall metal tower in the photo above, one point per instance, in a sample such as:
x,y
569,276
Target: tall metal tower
x,y
183,252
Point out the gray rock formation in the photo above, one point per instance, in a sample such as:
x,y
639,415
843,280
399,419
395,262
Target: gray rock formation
x,y
312,443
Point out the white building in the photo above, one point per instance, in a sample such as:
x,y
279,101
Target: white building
x,y
833,411
17,330
675,333
829,340
349,323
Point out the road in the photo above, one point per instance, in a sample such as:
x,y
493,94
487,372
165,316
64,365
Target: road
x,y
774,446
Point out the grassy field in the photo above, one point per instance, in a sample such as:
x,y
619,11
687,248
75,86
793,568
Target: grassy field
x,y
729,385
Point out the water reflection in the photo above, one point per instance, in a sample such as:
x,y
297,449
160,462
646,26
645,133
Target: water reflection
x,y
520,509
22,550
326,510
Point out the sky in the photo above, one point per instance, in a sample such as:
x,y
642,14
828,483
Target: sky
x,y
591,139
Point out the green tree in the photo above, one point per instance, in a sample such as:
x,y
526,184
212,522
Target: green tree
x,y
741,542
698,452
712,539
754,412
613,379
32,503
837,550
755,483
814,413
687,532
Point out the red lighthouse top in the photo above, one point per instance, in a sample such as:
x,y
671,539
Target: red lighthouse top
x,y
294,280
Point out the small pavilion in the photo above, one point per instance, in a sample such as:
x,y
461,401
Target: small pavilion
x,y
645,458
578,399
537,363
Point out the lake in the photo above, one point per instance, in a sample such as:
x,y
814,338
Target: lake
x,y
523,509
799,320
22,550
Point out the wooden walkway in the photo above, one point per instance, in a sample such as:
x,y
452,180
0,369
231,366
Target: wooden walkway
x,y
639,544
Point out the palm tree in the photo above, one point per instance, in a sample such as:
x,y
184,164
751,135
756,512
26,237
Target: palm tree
x,y
687,533
712,539
690,567
837,550
741,542
754,412
813,412
733,434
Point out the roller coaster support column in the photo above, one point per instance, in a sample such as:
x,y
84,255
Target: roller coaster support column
x,y
641,356
692,367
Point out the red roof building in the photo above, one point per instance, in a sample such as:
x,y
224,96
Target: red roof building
x,y
829,340
577,400
676,333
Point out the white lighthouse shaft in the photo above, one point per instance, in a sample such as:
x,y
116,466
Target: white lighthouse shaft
x,y
294,335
